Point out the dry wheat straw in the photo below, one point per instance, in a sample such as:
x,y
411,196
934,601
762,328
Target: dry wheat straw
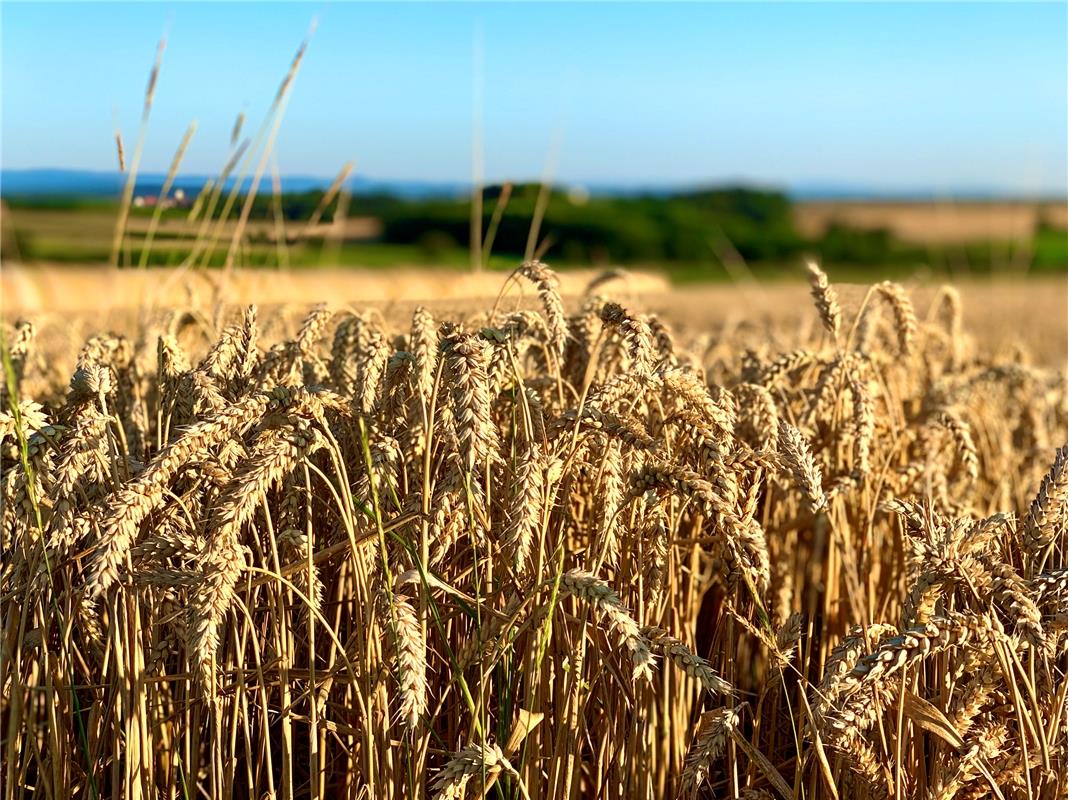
x,y
803,467
826,299
588,587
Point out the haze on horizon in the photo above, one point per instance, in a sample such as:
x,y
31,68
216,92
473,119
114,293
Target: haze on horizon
x,y
946,97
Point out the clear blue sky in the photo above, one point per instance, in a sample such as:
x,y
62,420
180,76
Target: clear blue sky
x,y
941,96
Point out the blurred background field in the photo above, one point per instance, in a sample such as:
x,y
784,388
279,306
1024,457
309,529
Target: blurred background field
x,y
1009,317
697,235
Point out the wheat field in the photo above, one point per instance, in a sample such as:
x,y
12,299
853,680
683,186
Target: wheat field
x,y
537,550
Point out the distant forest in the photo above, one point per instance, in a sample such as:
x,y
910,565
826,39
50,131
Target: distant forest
x,y
694,227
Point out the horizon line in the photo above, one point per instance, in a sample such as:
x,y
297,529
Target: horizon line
x,y
814,187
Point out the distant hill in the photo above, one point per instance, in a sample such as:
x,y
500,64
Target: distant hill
x,y
20,182
90,183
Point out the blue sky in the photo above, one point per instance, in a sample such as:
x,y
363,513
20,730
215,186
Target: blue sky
x,y
940,96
